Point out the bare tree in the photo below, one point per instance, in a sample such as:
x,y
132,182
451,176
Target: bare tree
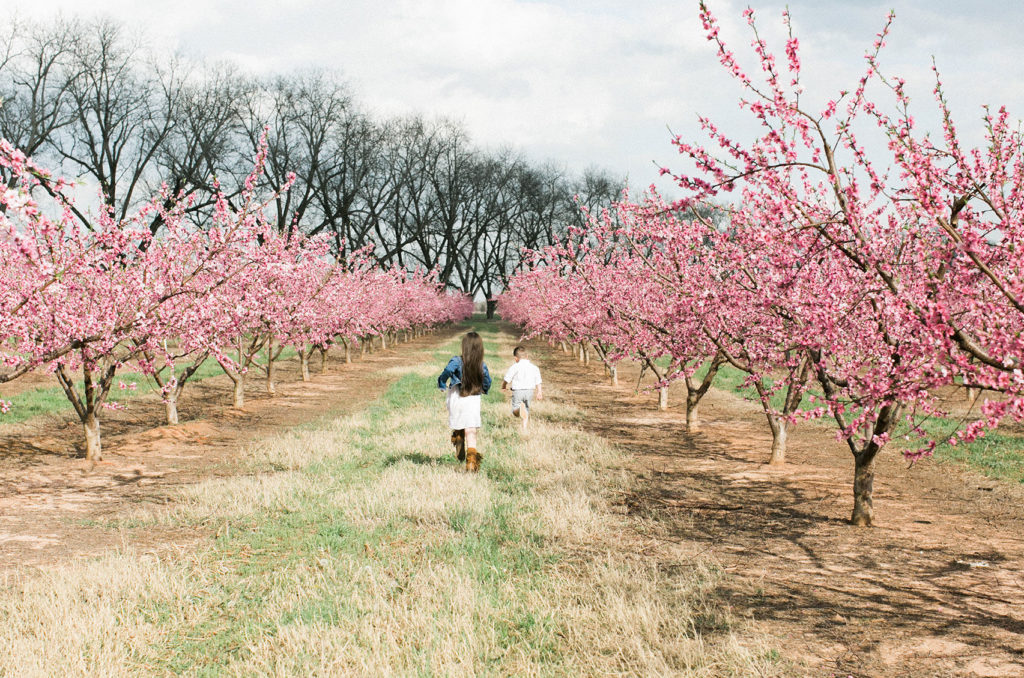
x,y
36,71
341,185
302,114
131,123
121,113
204,143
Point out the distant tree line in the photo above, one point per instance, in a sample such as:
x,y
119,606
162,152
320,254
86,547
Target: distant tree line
x,y
87,96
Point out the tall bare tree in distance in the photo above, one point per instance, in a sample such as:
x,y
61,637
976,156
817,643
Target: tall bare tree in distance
x,y
125,122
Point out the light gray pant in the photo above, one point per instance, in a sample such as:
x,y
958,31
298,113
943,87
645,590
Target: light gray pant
x,y
521,396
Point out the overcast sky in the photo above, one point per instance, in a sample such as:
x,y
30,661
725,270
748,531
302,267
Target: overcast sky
x,y
583,83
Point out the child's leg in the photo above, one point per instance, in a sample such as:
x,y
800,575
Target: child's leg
x,y
521,405
517,404
473,455
459,442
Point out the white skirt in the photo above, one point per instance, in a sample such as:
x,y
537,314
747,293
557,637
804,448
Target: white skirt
x,y
463,412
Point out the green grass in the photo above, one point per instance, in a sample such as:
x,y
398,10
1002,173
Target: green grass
x,y
498,550
731,380
998,455
35,403
51,400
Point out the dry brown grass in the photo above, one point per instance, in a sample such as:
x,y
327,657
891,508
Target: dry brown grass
x,y
84,619
525,569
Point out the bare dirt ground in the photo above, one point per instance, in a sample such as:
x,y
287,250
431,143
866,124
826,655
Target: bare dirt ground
x,y
55,505
935,589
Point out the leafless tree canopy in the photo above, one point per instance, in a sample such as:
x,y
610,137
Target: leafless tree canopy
x,y
88,98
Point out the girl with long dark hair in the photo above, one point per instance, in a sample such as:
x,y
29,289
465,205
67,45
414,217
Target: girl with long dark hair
x,y
464,380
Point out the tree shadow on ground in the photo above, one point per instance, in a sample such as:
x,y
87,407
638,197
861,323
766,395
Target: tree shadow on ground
x,y
936,586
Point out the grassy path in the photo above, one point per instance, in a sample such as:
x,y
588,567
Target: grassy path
x,y
359,547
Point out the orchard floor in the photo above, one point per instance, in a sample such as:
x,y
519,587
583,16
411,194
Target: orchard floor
x,y
936,588
55,505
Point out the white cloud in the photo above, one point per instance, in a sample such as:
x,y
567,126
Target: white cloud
x,y
584,83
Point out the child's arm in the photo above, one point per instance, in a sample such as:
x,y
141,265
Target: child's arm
x,y
508,376
446,374
540,391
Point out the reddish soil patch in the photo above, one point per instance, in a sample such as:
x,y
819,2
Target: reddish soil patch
x,y
53,503
935,589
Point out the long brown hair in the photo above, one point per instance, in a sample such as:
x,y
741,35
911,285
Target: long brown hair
x,y
472,365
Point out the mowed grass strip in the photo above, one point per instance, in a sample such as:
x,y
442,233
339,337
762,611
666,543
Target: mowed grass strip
x,y
362,548
998,455
51,400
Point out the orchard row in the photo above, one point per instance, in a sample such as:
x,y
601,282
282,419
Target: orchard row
x,y
862,266
85,297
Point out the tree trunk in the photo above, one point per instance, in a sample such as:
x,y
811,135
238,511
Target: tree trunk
x,y
271,373
171,407
348,354
778,426
586,355
972,394
238,395
271,368
692,413
93,447
695,391
663,398
564,349
323,358
863,488
304,361
383,343
238,385
780,431
614,371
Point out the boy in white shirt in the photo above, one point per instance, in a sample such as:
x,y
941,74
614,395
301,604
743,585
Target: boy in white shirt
x,y
523,378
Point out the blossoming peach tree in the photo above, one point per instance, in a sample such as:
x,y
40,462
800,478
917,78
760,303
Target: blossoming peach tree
x,y
853,250
86,296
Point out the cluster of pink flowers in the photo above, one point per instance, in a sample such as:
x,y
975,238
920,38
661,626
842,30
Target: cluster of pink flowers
x,y
873,277
84,298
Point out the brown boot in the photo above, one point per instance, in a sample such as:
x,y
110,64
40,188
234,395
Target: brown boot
x,y
459,441
473,460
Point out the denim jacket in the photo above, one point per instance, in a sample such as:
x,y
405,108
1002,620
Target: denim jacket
x,y
453,372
